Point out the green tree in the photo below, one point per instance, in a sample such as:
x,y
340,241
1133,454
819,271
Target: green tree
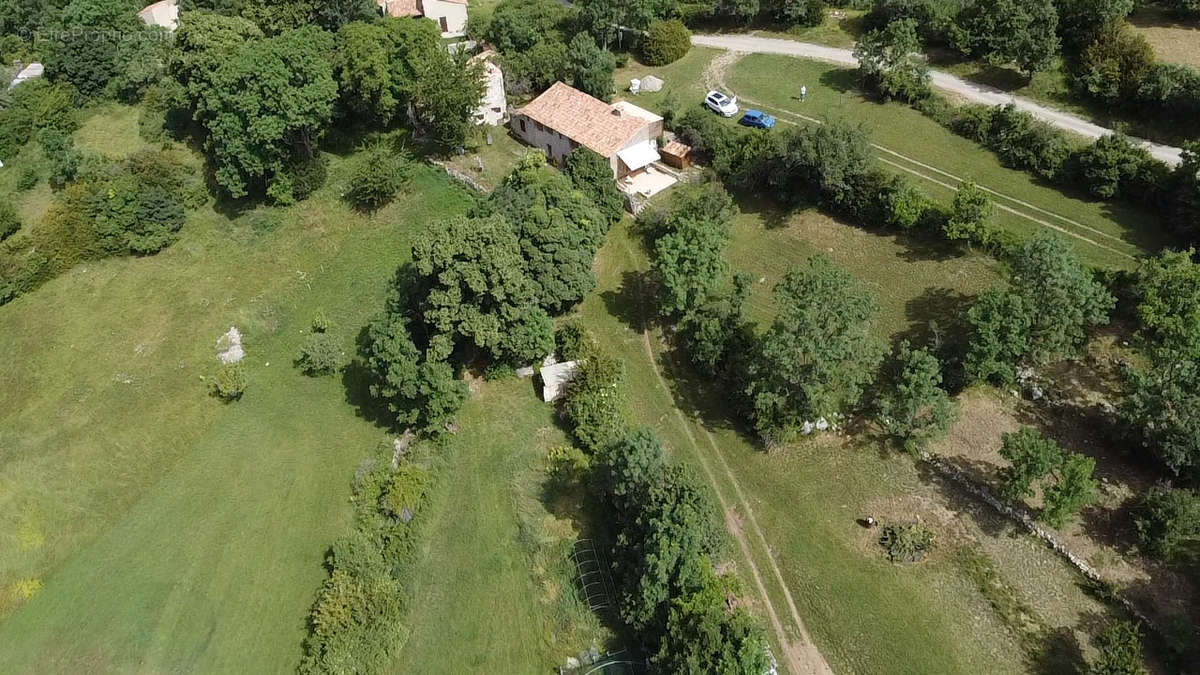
x,y
1032,457
664,525
1010,31
1163,409
1080,22
1073,488
666,42
891,64
818,354
1113,67
597,403
448,90
419,392
376,65
319,355
1168,523
1112,166
914,408
379,173
591,68
1120,648
265,107
602,18
478,294
593,175
518,25
689,264
799,12
1168,290
85,43
333,14
204,43
969,214
703,635
1063,297
558,228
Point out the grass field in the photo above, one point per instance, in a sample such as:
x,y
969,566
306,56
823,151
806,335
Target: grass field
x,y
1173,41
496,592
168,531
866,615
1105,233
914,283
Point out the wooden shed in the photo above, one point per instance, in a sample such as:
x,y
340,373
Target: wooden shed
x,y
676,154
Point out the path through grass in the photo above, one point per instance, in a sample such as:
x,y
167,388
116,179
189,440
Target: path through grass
x,y
1106,233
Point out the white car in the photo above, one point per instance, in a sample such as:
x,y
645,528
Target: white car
x,y
720,103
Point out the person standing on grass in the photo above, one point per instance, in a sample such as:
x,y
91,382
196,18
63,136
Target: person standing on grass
x,y
803,93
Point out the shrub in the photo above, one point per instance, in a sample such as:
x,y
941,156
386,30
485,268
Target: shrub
x,y
231,381
60,150
800,12
596,402
320,355
27,179
299,177
1112,166
1120,648
573,341
969,214
10,222
666,42
320,322
906,542
1168,524
378,175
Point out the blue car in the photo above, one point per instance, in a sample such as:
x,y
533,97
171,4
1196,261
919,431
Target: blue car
x,y
757,119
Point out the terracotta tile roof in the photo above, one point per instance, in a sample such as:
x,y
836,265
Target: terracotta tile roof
x,y
676,149
400,7
583,119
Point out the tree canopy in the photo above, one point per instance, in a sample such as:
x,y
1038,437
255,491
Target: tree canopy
x,y
1023,32
558,228
818,354
478,294
891,64
264,103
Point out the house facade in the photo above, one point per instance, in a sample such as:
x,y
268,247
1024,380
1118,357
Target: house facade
x,y
449,15
494,107
564,118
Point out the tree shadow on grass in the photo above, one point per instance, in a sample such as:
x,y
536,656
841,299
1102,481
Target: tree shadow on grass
x,y
1058,654
356,382
965,504
627,302
843,80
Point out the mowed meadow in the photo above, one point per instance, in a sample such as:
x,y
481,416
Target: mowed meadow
x,y
148,525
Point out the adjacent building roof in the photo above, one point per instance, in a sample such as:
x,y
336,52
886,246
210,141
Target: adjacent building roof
x,y
30,72
164,13
588,121
556,377
400,7
408,7
637,156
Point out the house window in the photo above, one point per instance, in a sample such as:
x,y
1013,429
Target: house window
x,y
445,26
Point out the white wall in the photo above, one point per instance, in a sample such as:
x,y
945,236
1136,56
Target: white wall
x,y
454,14
555,145
493,107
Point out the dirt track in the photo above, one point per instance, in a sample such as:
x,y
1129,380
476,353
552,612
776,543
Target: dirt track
x,y
971,91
